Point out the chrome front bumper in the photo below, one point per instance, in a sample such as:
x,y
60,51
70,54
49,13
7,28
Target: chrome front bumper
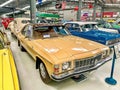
x,y
72,73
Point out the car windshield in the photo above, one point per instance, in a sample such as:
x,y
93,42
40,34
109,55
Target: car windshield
x,y
49,31
94,26
109,25
88,27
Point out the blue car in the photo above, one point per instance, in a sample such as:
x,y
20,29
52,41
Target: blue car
x,y
83,29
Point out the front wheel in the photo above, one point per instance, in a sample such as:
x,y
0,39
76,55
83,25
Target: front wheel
x,y
18,43
44,74
22,48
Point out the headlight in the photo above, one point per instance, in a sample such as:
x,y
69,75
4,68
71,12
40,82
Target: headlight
x,y
66,65
105,53
109,42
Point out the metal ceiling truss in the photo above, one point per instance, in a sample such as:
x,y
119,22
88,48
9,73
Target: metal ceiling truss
x,y
100,3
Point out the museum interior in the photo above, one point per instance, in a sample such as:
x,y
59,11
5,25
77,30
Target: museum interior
x,y
59,44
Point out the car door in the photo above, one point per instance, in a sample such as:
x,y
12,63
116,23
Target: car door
x,y
73,28
26,40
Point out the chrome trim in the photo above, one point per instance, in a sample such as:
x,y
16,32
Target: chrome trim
x,y
71,73
87,62
114,42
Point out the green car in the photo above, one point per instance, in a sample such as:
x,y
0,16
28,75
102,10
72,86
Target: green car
x,y
113,26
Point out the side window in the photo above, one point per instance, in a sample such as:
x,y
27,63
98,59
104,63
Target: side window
x,y
28,31
87,26
93,26
83,29
60,30
68,26
107,25
75,27
24,31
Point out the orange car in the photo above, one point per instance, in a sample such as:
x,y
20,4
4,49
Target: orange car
x,y
58,54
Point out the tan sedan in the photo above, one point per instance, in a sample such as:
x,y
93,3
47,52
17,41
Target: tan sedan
x,y
58,54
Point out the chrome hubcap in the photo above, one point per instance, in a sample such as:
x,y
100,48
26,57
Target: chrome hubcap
x,y
42,70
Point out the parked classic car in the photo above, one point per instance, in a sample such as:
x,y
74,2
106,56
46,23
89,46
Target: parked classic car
x,y
111,20
84,29
6,21
109,25
8,71
117,22
16,25
58,54
94,25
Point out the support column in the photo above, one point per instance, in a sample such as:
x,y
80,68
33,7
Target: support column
x,y
102,10
33,11
13,9
110,80
79,10
94,10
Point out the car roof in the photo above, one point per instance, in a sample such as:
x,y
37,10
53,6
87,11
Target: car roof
x,y
47,24
82,23
21,18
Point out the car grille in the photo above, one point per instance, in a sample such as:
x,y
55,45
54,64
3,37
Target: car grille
x,y
87,63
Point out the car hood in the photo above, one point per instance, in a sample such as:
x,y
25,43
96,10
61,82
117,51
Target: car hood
x,y
98,36
7,71
67,46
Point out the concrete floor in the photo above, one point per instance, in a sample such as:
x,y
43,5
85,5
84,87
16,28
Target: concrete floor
x,y
30,79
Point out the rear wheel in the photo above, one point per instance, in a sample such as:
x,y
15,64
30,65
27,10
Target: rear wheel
x,y
43,73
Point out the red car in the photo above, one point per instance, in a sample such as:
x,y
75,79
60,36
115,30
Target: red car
x,y
6,21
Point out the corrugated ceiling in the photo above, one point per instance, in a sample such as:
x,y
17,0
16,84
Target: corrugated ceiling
x,y
23,3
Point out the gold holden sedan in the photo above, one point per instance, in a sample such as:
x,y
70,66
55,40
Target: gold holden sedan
x,y
8,73
58,54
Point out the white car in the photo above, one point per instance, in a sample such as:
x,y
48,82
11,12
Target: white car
x,y
91,25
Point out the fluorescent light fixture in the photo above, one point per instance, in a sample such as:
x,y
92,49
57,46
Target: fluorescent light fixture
x,y
6,3
11,12
22,8
29,6
25,8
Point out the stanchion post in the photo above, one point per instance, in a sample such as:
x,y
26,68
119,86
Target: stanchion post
x,y
110,80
